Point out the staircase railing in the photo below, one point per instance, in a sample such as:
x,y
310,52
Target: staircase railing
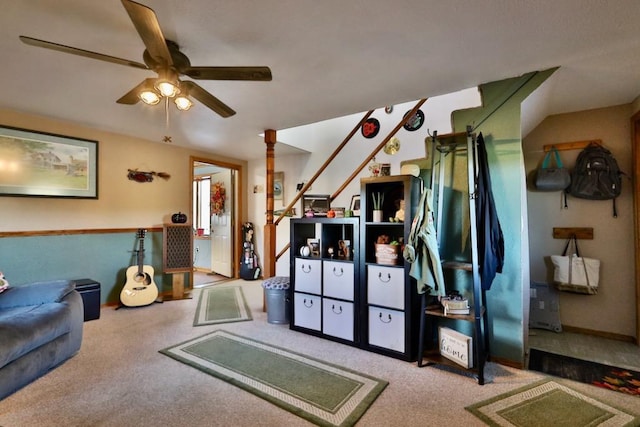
x,y
270,249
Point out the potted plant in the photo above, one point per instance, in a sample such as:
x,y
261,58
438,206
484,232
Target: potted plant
x,y
378,201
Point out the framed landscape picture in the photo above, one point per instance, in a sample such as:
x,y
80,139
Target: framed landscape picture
x,y
47,165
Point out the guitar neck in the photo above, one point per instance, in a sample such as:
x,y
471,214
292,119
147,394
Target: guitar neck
x,y
141,234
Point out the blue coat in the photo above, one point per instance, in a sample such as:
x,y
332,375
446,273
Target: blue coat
x,y
490,238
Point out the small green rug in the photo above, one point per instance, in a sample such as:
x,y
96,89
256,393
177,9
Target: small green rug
x,y
548,403
221,304
325,394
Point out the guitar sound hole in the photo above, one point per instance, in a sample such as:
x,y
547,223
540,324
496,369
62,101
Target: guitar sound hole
x,y
142,278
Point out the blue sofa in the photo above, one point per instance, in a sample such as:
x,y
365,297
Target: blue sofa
x,y
40,327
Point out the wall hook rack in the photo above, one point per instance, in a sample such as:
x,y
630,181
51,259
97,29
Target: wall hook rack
x,y
585,233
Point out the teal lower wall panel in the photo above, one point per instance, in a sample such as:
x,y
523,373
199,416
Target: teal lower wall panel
x,y
103,257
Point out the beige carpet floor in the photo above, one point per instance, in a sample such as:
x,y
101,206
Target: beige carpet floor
x,y
120,379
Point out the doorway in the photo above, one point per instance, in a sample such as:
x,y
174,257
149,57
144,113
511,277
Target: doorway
x,y
216,204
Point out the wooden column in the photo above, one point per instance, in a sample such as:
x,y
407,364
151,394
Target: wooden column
x,y
270,227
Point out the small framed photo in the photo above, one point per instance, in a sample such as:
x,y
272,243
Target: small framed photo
x,y
344,249
278,186
355,205
314,247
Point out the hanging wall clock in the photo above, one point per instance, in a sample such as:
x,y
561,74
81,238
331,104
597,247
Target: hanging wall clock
x,y
415,122
370,128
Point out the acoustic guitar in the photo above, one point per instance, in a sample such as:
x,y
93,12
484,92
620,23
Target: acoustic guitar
x,y
139,288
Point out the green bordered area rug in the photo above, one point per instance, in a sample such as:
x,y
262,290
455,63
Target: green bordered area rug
x,y
548,403
325,394
221,304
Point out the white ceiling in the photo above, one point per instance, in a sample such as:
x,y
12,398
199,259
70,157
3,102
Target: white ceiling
x,y
329,58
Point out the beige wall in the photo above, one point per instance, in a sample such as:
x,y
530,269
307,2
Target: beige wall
x,y
122,203
613,309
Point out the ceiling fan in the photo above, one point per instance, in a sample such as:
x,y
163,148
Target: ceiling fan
x,y
164,57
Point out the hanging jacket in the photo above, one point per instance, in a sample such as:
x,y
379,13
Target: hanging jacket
x,y
490,237
422,249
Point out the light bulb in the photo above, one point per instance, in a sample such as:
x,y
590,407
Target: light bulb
x,y
167,83
149,97
183,103
167,89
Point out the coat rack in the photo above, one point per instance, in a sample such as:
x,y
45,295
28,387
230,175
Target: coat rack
x,y
568,232
576,145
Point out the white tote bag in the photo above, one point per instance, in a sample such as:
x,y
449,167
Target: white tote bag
x,y
573,273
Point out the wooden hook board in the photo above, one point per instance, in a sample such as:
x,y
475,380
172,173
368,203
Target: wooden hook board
x,y
576,145
579,232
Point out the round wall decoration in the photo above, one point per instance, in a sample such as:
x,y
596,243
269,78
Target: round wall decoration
x,y
415,122
392,146
370,128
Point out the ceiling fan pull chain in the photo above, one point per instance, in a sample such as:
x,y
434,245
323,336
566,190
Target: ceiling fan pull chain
x,y
166,112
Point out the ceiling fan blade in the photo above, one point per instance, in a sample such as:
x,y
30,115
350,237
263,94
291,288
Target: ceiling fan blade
x,y
131,97
207,99
146,23
81,52
228,73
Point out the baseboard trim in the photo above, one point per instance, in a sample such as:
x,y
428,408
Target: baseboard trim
x,y
601,334
507,362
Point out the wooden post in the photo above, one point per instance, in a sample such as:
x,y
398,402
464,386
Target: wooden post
x,y
270,227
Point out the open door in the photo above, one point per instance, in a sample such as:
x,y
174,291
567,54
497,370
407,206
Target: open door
x,y
216,209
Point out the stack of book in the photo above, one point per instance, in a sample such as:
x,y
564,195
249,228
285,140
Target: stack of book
x,y
455,306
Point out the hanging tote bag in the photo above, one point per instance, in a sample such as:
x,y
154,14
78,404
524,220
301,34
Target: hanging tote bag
x,y
549,178
573,273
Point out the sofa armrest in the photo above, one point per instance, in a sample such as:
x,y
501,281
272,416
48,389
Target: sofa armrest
x,y
36,293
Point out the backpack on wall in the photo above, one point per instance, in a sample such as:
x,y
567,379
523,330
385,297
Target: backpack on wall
x,y
596,175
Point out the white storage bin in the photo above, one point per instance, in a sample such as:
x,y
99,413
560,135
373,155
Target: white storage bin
x,y
337,278
307,310
337,318
308,275
385,286
386,328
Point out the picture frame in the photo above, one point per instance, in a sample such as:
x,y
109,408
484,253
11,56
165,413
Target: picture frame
x,y
318,203
355,205
39,164
344,249
314,247
278,186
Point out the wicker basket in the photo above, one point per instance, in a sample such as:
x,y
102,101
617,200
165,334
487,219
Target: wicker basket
x,y
387,254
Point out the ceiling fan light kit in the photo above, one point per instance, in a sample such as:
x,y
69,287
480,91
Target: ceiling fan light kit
x,y
164,57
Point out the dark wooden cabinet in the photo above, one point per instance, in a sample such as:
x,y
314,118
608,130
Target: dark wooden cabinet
x,y
325,278
366,299
390,303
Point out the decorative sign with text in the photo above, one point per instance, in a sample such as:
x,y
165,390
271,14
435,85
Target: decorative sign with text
x,y
456,346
